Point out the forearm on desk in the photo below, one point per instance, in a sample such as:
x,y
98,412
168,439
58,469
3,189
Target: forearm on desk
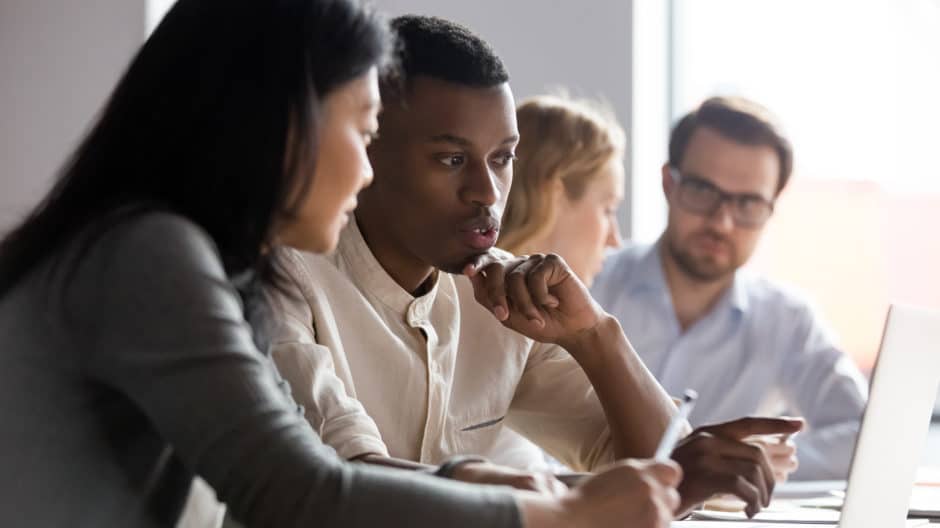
x,y
830,393
387,461
635,404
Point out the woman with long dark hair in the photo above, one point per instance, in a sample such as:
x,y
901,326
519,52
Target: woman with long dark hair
x,y
126,362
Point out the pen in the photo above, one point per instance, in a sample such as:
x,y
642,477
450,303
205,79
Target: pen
x,y
671,435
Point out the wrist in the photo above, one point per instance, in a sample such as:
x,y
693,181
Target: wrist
x,y
539,511
452,465
593,341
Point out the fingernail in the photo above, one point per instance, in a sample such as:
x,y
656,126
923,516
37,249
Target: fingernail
x,y
501,313
552,302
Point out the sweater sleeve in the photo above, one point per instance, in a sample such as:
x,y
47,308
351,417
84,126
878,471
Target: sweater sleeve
x,y
166,329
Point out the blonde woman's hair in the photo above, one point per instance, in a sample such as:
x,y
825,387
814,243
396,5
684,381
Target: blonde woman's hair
x,y
563,139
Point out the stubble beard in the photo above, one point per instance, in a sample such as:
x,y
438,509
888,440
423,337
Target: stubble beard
x,y
702,269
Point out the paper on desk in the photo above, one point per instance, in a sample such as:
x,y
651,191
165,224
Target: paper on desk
x,y
728,524
805,489
925,502
779,514
911,523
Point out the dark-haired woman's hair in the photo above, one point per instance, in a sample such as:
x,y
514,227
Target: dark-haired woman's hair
x,y
215,120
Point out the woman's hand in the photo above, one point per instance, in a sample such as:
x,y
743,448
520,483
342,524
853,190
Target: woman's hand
x,y
634,493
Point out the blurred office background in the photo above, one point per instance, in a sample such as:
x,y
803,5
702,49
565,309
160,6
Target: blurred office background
x,y
857,84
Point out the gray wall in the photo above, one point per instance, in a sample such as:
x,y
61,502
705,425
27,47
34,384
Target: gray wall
x,y
59,60
582,46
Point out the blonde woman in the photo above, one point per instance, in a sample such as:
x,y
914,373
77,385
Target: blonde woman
x,y
567,183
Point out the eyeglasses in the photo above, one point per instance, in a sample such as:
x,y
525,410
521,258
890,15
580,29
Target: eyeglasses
x,y
702,197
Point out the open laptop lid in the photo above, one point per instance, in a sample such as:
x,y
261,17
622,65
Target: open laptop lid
x,y
894,428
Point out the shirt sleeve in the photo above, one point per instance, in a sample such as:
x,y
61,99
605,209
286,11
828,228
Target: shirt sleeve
x,y
165,329
556,407
339,418
828,390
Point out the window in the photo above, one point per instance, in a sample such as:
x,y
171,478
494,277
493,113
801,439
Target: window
x,y
856,84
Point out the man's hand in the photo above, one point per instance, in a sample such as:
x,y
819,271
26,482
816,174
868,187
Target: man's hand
x,y
637,493
781,451
486,473
538,295
718,459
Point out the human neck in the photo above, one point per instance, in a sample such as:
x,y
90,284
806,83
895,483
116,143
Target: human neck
x,y
407,270
692,298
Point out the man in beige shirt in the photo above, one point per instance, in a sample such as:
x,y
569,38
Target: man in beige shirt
x,y
436,363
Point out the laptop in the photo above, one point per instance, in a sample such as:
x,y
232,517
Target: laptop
x,y
893,432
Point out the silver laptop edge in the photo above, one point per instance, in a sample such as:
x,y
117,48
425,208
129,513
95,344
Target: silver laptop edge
x,y
894,427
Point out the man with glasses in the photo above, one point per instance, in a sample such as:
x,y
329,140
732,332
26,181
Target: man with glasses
x,y
699,321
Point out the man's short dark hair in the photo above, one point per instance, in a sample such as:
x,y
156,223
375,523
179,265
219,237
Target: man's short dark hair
x,y
739,120
446,51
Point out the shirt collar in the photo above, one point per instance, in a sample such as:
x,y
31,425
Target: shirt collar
x,y
371,278
737,294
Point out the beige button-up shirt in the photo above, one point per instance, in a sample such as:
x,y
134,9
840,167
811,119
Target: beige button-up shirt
x,y
426,378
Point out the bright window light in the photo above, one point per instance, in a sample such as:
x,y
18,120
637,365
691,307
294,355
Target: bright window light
x,y
857,84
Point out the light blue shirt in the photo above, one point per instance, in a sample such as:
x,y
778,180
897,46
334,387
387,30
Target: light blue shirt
x,y
760,351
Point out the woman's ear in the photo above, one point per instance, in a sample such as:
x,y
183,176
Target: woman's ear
x,y
557,205
559,196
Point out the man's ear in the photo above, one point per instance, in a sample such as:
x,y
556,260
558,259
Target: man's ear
x,y
668,183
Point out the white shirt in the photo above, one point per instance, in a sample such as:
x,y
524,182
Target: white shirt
x,y
379,371
760,351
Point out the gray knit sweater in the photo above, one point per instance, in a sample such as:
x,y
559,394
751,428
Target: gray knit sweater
x,y
118,385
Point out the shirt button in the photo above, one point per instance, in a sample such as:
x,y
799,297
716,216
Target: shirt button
x,y
285,386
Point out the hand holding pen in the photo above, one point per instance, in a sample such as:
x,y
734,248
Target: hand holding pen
x,y
719,459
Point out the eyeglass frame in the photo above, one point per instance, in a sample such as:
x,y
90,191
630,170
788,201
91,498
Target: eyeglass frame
x,y
724,196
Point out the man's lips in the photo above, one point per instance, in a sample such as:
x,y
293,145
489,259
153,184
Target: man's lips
x,y
711,244
479,233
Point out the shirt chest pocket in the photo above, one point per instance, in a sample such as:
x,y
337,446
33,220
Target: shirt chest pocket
x,y
476,432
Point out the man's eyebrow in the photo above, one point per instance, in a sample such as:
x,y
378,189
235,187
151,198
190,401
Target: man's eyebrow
x,y
450,138
745,194
457,140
